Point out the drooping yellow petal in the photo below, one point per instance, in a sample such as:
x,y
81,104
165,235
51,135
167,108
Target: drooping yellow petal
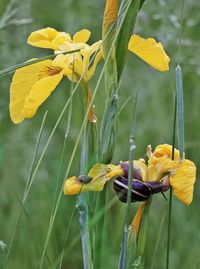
x,y
183,181
81,36
149,51
30,87
135,225
39,93
48,38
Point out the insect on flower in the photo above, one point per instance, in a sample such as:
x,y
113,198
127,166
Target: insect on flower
x,y
140,191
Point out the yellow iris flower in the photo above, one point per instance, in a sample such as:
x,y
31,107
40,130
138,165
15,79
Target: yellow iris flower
x,y
182,174
32,85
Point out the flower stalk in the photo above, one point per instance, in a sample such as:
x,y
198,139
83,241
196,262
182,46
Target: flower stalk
x,y
88,158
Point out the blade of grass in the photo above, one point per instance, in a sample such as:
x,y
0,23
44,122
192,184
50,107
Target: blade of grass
x,y
160,232
35,152
178,111
123,261
170,195
11,69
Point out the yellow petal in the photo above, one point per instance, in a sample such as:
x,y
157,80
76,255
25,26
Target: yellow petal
x,y
161,151
88,53
135,225
110,14
183,181
141,166
97,170
48,38
70,46
92,69
30,87
64,62
100,174
149,51
60,39
72,186
82,36
163,166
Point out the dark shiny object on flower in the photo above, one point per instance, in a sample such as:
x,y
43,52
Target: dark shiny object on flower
x,y
140,190
84,179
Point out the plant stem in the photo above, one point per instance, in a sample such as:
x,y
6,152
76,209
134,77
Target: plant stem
x,y
170,195
123,256
122,264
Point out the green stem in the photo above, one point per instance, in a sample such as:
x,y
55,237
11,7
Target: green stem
x,y
84,231
88,158
123,262
100,237
123,256
170,196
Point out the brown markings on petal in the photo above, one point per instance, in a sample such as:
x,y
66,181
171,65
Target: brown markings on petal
x,y
49,71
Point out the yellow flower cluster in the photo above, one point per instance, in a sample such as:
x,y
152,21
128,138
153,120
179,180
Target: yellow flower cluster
x,y
33,84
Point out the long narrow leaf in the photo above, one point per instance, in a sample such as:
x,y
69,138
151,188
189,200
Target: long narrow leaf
x,y
180,110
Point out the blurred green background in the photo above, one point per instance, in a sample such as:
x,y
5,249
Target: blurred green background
x,y
159,19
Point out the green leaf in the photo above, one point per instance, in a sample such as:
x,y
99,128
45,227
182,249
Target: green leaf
x,y
131,10
180,110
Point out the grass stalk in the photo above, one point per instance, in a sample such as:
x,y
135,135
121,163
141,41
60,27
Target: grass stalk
x,y
13,68
179,120
160,232
123,256
122,264
170,194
